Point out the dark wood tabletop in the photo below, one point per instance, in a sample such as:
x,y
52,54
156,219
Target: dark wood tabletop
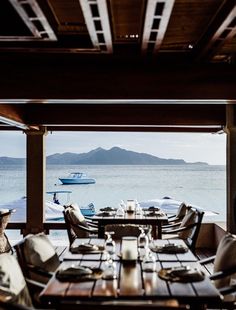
x,y
155,219
132,282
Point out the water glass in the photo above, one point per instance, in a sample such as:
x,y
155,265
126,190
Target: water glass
x,y
139,210
120,211
143,241
110,269
110,245
123,204
149,261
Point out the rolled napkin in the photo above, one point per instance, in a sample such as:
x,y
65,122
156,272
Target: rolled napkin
x,y
181,274
153,208
170,248
78,273
87,248
108,209
105,213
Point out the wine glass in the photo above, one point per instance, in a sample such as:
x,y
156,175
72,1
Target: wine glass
x,y
123,204
142,238
139,210
110,268
110,245
148,261
142,242
120,211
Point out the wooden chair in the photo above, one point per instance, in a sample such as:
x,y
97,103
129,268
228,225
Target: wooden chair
x,y
181,212
13,287
77,226
188,229
38,260
224,270
5,245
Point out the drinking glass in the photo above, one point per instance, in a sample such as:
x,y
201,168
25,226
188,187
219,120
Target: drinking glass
x,y
139,210
143,241
148,261
120,211
110,245
123,204
110,268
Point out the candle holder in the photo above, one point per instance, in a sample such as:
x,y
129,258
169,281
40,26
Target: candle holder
x,y
129,250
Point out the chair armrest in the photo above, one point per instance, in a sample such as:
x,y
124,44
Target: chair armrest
x,y
227,289
92,224
171,225
171,216
176,230
40,271
223,273
173,231
207,260
34,284
87,229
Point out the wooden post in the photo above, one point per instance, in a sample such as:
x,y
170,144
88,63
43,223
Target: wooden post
x,y
36,171
231,168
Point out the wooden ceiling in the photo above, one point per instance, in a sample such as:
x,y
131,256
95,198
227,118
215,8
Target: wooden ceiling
x,y
198,29
116,49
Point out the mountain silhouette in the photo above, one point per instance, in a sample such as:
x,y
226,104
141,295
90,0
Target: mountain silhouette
x,y
100,156
113,156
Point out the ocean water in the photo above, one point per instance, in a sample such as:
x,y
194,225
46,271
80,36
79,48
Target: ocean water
x,y
201,185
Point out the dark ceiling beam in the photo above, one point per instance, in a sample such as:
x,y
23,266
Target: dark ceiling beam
x,y
136,115
13,116
221,29
206,129
51,76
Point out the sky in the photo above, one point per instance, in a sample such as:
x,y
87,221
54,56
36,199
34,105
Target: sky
x,y
191,147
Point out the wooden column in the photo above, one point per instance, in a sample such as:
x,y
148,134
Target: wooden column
x,y
36,171
231,168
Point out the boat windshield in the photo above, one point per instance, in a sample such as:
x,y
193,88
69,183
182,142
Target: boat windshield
x,y
76,175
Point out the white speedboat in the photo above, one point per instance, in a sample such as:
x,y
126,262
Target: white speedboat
x,y
53,210
77,178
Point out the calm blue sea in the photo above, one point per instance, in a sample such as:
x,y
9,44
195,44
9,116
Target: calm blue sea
x,y
201,185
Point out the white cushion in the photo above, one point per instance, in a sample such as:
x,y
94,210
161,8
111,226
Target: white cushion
x,y
76,216
225,258
40,252
12,283
188,219
181,210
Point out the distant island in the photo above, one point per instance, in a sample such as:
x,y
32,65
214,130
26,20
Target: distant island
x,y
100,156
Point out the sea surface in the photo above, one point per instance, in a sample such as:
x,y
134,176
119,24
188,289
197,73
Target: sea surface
x,y
201,185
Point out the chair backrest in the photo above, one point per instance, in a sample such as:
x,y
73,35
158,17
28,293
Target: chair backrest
x,y
35,252
225,259
192,221
181,211
122,230
75,222
70,232
5,245
13,288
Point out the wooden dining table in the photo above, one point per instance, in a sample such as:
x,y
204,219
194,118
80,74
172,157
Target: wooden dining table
x,y
154,219
132,282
